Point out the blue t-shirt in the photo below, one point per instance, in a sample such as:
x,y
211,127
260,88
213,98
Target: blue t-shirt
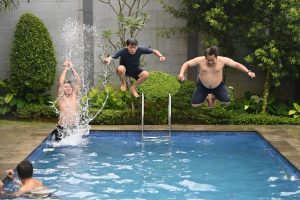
x,y
129,60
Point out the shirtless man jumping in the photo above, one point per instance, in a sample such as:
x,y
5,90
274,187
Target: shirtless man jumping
x,y
67,101
210,83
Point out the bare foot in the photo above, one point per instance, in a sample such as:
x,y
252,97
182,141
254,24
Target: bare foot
x,y
123,87
211,99
134,92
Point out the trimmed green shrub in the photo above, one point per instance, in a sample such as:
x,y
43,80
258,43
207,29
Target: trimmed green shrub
x,y
158,86
36,111
181,101
32,57
156,90
112,117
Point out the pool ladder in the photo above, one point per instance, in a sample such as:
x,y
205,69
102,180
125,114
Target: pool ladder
x,y
169,119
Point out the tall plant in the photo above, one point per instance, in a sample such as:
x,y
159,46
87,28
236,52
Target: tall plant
x,y
217,20
9,4
131,19
32,57
273,35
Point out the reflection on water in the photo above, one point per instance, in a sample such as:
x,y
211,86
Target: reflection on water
x,y
185,167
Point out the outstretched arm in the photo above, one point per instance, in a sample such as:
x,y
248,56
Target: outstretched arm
x,y
239,66
157,53
107,60
186,65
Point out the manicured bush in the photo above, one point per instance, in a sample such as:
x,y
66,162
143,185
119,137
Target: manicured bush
x,y
158,86
36,111
32,57
156,90
115,117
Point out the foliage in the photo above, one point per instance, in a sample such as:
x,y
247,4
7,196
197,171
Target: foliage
x,y
219,21
296,111
270,29
278,108
8,5
181,101
251,103
273,35
156,90
158,86
10,100
111,117
116,99
131,19
36,111
32,57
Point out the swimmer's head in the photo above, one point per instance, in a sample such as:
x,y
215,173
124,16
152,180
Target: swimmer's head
x,y
25,169
67,88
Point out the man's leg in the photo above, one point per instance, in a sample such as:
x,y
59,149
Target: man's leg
x,y
222,94
200,94
121,73
141,78
211,99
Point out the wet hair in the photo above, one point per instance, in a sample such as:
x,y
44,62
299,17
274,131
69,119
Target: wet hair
x,y
131,41
25,169
211,51
68,81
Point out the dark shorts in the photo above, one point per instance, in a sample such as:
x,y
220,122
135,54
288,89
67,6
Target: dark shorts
x,y
61,131
133,72
201,93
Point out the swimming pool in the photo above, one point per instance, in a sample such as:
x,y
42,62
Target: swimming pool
x,y
191,165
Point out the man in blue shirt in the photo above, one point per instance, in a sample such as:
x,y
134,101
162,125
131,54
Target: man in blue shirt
x,y
130,63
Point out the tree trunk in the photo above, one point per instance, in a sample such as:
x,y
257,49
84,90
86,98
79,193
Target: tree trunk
x,y
266,92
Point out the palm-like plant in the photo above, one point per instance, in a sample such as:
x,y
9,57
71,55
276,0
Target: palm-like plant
x,y
8,5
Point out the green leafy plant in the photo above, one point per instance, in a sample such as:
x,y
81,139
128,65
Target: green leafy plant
x,y
11,101
276,107
296,111
116,99
8,98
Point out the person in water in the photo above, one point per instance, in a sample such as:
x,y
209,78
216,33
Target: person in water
x,y
210,85
129,63
68,102
27,184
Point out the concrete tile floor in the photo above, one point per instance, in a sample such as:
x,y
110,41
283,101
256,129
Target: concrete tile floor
x,y
16,143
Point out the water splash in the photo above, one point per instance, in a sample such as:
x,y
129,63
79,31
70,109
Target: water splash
x,y
78,42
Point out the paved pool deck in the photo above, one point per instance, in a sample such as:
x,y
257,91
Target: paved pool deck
x,y
17,142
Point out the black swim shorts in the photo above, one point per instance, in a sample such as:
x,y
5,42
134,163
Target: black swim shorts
x,y
133,72
62,131
201,93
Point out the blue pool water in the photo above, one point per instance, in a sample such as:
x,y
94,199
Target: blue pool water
x,y
211,166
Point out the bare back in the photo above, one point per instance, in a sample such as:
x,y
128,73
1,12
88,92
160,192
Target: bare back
x,y
29,185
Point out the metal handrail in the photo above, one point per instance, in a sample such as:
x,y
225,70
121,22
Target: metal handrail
x,y
142,117
169,115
